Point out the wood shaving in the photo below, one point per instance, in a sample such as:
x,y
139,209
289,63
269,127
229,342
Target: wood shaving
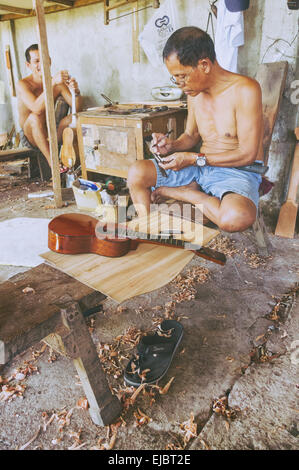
x,y
83,403
189,429
165,389
9,392
186,284
253,259
28,290
52,356
220,407
225,245
141,418
36,354
31,440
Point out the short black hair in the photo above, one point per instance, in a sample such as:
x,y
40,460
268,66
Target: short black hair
x,y
33,47
190,44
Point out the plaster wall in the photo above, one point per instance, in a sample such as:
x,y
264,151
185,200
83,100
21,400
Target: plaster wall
x,y
100,58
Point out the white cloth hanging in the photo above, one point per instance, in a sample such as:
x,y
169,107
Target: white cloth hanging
x,y
157,30
229,36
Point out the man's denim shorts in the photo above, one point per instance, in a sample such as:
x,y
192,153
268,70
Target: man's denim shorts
x,y
213,180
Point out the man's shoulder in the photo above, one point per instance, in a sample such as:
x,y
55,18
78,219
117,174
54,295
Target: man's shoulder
x,y
25,82
244,84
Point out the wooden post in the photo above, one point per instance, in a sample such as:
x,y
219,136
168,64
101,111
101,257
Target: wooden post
x,y
135,34
104,408
49,99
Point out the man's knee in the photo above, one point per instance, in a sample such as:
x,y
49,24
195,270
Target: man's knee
x,y
141,172
236,220
33,120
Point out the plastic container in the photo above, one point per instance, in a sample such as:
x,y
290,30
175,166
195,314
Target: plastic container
x,y
87,195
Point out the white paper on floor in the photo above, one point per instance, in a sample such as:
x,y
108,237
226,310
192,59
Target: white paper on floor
x,y
22,240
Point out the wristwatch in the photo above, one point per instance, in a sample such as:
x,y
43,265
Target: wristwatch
x,y
201,159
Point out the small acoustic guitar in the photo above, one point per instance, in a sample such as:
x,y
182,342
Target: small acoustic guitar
x,y
79,233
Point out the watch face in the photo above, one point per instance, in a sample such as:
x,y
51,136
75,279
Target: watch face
x,y
201,161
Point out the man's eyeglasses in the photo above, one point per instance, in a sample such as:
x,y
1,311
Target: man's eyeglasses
x,y
180,79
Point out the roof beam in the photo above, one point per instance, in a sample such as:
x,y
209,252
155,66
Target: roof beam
x,y
51,9
68,3
18,10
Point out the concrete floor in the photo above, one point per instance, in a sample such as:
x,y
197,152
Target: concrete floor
x,y
241,342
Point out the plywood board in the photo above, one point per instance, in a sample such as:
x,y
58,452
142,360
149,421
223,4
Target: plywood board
x,y
272,78
138,272
144,270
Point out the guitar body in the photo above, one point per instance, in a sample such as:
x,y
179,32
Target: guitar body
x,y
76,233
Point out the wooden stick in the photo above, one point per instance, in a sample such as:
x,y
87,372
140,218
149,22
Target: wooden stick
x,y
135,34
49,99
9,70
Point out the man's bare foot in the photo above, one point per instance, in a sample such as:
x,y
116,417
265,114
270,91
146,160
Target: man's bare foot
x,y
163,193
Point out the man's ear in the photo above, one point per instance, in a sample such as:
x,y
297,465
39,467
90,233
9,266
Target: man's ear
x,y
204,65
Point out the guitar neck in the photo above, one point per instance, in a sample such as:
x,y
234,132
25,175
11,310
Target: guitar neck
x,y
161,239
168,240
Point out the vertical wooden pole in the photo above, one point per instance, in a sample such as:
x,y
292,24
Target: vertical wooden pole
x,y
135,34
50,112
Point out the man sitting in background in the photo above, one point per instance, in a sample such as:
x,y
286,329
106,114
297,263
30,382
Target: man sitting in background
x,y
31,102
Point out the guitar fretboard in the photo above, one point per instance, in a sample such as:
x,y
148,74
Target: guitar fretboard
x,y
162,238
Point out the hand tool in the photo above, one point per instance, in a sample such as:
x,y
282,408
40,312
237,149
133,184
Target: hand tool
x,y
256,167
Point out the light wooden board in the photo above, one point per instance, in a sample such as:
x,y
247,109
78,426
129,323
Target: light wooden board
x,y
272,78
138,272
144,270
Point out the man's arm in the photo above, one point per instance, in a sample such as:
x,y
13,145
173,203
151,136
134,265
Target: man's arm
x,y
37,104
185,141
65,92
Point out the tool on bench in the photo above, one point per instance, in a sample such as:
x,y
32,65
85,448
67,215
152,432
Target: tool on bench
x,y
110,102
288,211
256,167
80,233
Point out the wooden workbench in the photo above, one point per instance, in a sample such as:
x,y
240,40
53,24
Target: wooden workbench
x,y
109,141
53,312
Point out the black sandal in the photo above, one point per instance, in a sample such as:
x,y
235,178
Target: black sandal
x,y
154,354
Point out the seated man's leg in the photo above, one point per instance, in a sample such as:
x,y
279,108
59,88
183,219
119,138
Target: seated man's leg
x,y
142,176
236,213
232,197
35,131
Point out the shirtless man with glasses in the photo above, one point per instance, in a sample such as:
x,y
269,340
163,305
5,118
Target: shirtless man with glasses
x,y
225,119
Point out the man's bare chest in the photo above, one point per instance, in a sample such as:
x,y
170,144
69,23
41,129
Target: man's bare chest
x,y
216,118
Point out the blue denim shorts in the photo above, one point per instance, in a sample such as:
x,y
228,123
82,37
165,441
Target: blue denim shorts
x,y
213,180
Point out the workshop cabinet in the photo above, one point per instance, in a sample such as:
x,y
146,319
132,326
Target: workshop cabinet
x,y
109,141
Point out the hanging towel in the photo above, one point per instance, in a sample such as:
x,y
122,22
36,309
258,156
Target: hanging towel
x,y
157,30
229,36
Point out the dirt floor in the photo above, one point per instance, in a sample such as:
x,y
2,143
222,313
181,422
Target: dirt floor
x,y
233,384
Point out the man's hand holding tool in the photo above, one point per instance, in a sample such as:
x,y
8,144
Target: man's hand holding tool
x,y
161,145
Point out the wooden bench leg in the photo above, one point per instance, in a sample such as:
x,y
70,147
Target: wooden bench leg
x,y
76,343
261,235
